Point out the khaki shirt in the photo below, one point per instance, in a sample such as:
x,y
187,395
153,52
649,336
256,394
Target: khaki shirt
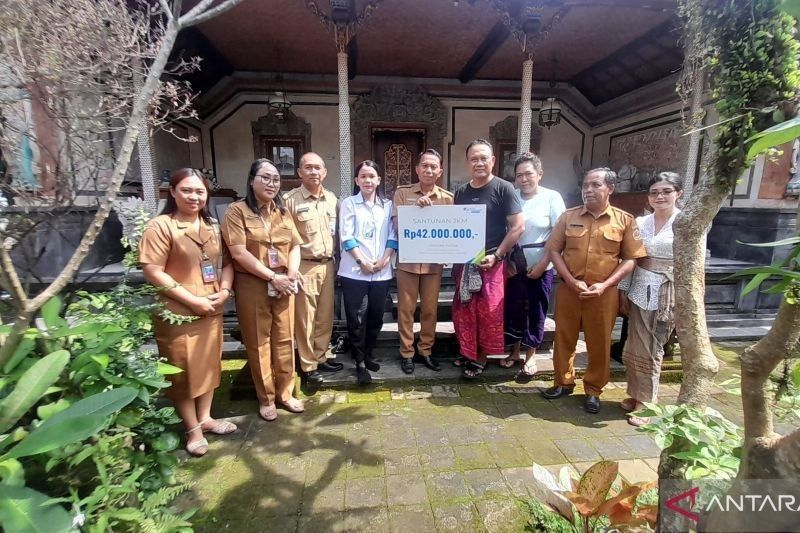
x,y
593,247
315,219
177,247
408,195
242,227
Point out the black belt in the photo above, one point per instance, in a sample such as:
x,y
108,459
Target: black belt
x,y
322,260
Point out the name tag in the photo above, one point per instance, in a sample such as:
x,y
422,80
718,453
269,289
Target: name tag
x,y
208,271
302,210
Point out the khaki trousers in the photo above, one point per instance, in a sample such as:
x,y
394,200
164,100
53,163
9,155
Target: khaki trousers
x,y
596,317
409,288
266,325
313,311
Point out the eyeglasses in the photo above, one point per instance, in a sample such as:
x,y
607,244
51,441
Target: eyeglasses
x,y
267,180
656,194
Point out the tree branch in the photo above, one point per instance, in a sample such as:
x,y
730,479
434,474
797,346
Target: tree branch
x,y
10,275
191,20
166,9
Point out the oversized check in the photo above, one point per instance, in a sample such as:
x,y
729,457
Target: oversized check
x,y
441,233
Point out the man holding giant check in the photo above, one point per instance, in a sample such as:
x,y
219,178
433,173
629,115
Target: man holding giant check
x,y
419,269
475,234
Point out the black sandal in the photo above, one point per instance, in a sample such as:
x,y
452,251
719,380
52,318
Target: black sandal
x,y
473,370
460,361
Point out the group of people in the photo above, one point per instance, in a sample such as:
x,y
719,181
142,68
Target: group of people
x,y
277,253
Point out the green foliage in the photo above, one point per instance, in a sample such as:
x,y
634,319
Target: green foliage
x,y
714,444
80,425
786,270
750,51
544,520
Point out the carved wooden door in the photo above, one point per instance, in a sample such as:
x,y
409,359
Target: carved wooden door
x,y
396,152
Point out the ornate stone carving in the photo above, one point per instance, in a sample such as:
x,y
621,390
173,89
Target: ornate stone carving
x,y
507,130
397,104
640,155
270,126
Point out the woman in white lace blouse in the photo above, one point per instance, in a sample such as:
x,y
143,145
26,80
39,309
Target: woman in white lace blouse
x,y
651,296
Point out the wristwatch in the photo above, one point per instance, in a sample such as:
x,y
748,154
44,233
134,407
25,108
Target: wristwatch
x,y
498,256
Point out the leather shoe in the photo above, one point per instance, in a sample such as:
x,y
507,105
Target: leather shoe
x,y
314,377
330,366
371,364
364,377
556,391
592,404
430,362
407,365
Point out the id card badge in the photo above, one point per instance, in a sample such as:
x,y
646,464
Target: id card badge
x,y
332,227
208,271
274,259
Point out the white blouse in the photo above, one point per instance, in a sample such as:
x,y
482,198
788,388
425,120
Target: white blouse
x,y
369,227
644,284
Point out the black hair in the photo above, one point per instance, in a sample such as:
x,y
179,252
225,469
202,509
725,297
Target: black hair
x,y
477,142
529,157
250,199
178,176
672,178
434,153
609,176
371,164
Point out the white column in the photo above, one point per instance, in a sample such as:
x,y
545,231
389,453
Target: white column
x,y
525,114
345,150
145,150
696,121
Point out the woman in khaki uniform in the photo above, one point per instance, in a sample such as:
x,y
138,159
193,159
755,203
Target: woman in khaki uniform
x,y
265,246
182,252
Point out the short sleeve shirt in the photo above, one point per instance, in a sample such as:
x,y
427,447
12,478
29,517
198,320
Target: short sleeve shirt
x,y
593,247
259,232
501,201
315,219
408,195
179,249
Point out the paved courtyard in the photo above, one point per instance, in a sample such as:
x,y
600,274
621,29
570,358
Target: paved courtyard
x,y
424,458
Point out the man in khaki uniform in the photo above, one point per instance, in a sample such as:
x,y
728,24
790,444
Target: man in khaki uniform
x,y
419,279
313,209
593,247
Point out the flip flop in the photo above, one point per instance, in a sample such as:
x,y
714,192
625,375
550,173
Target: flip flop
x,y
460,361
473,370
223,427
506,363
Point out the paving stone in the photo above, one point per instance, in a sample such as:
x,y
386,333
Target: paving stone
x,y
333,522
519,479
402,461
612,448
366,492
406,489
396,438
462,434
486,482
324,497
502,515
446,485
636,470
455,516
431,436
278,524
509,455
411,518
340,397
652,463
437,458
643,446
444,391
473,456
374,519
577,450
365,465
496,433
514,411
544,452
418,394
278,500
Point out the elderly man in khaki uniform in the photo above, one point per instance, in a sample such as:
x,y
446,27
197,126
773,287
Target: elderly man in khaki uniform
x,y
313,209
593,247
420,280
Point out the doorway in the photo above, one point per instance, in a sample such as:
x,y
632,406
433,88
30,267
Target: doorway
x,y
396,149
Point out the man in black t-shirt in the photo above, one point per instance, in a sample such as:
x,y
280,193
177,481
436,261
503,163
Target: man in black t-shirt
x,y
478,317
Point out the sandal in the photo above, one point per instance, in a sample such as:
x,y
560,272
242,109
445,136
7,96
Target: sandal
x,y
527,373
507,362
473,370
460,361
197,448
638,421
222,427
628,405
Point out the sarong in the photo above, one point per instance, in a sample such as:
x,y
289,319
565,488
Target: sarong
x,y
644,352
526,303
479,323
